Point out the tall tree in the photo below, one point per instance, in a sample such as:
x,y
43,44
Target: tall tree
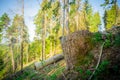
x,y
111,13
95,22
67,16
88,14
110,17
22,35
41,23
11,37
4,22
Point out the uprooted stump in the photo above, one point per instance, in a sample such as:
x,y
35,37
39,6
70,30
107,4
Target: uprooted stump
x,y
75,47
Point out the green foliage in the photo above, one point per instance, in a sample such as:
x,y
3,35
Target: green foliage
x,y
56,73
110,17
87,74
35,50
1,58
92,20
56,8
107,43
88,13
97,37
48,23
4,65
45,5
47,47
4,22
117,40
102,67
53,77
95,22
87,60
79,70
83,74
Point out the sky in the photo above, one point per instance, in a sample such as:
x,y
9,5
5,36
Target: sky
x,y
31,7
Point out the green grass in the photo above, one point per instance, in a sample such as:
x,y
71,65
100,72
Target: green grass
x,y
29,73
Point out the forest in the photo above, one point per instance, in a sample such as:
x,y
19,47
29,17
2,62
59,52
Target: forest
x,y
71,42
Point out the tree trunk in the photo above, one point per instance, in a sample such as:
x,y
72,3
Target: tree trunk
x,y
43,36
67,16
56,58
21,56
27,52
63,18
12,58
51,43
22,27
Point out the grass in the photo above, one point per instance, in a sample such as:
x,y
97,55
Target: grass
x,y
50,72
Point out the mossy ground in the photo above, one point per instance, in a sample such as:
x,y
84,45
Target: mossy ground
x,y
50,72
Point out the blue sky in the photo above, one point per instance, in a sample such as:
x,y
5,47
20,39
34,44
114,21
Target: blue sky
x,y
12,7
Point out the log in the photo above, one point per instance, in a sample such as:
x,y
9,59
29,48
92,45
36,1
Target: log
x,y
56,58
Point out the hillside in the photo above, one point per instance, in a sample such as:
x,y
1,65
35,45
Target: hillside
x,y
108,67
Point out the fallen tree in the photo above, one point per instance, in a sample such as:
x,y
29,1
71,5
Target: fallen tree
x,y
56,58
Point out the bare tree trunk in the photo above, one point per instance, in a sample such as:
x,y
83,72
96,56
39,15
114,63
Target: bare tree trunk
x,y
42,40
27,52
63,18
21,56
12,58
22,36
78,5
51,48
67,16
116,11
51,40
43,36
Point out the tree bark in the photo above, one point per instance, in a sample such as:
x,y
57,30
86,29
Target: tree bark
x,y
56,58
12,58
27,57
22,27
43,36
67,16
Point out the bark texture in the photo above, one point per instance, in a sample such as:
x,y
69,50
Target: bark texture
x,y
56,58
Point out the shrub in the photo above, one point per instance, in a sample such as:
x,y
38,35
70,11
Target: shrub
x,y
97,37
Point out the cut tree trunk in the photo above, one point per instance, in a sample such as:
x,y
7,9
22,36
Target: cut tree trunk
x,y
56,58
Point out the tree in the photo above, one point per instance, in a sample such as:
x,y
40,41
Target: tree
x,y
41,23
67,16
111,13
74,15
118,17
4,22
10,35
22,35
47,21
95,22
110,17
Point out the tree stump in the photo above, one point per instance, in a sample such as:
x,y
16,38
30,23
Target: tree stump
x,y
75,46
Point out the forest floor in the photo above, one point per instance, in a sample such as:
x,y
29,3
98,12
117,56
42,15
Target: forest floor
x,y
50,72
